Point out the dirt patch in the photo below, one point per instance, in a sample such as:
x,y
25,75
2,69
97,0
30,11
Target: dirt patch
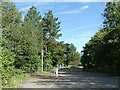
x,y
44,75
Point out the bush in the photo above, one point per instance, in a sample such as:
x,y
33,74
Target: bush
x,y
8,70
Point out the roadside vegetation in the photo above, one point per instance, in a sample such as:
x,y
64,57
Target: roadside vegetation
x,y
24,36
102,52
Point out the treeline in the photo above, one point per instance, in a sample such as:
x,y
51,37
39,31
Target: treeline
x,y
25,36
102,52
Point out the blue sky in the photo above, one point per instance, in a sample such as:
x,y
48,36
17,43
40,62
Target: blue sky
x,y
79,20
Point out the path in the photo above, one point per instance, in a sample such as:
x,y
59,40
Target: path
x,y
73,79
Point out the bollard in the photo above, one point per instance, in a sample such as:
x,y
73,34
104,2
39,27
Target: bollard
x,y
56,71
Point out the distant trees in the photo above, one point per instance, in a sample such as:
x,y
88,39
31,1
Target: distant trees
x,y
102,52
72,57
24,37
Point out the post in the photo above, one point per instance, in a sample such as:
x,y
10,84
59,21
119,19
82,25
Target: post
x,y
42,60
42,51
56,71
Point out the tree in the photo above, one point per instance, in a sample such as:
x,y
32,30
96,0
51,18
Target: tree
x,y
103,48
11,20
22,42
30,48
72,56
51,28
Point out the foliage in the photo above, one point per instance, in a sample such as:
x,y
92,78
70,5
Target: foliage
x,y
7,66
103,50
23,39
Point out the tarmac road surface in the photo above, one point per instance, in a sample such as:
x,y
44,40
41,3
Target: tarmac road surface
x,y
73,78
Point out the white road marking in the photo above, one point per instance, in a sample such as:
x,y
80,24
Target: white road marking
x,y
54,82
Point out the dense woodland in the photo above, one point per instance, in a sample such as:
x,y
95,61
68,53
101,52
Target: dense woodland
x,y
25,36
102,52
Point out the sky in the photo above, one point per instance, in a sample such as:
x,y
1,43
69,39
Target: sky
x,y
79,20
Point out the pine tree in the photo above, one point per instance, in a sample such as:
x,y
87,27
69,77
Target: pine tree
x,y
31,41
51,28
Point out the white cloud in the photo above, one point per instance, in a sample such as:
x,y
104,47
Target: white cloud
x,y
88,26
62,0
81,39
27,7
70,12
84,7
64,6
35,1
84,27
50,7
78,42
74,11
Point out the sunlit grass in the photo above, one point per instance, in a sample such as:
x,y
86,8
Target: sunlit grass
x,y
16,81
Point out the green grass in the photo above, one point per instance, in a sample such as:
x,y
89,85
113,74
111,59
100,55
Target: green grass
x,y
44,73
16,81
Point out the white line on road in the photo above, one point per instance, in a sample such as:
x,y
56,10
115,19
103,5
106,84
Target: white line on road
x,y
54,82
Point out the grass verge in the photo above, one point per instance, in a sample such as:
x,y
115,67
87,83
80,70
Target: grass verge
x,y
16,81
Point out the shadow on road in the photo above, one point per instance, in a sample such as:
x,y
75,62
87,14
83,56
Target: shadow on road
x,y
74,78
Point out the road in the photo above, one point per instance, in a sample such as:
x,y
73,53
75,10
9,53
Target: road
x,y
72,78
